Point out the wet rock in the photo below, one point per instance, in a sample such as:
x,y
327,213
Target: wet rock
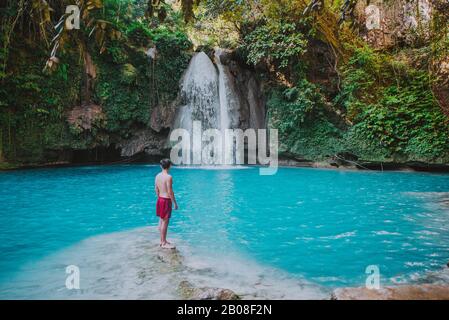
x,y
405,292
344,159
445,203
89,77
143,140
188,291
162,116
85,116
170,256
250,107
89,67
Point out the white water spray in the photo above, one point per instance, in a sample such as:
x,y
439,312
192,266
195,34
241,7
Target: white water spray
x,y
206,97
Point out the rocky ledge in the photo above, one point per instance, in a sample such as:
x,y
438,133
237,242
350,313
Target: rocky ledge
x,y
186,290
402,292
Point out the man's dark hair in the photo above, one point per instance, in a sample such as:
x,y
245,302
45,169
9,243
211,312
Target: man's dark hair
x,y
166,163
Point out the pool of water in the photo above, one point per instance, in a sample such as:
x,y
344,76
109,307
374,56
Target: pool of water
x,y
319,227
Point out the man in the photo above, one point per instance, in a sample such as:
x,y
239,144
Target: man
x,y
165,197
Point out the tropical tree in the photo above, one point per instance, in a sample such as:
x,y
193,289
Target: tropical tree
x,y
48,20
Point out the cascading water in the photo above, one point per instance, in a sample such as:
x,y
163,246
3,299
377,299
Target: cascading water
x,y
222,92
225,122
206,97
199,94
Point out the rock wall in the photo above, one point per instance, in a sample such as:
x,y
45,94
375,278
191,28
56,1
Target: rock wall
x,y
385,24
251,108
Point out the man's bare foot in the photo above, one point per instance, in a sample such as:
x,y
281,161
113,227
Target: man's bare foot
x,y
167,245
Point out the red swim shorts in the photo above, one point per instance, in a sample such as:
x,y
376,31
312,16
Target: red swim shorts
x,y
163,208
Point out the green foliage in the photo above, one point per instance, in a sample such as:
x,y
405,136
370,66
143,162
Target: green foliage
x,y
315,140
393,108
277,42
139,34
394,113
304,129
363,74
290,108
407,120
129,92
34,104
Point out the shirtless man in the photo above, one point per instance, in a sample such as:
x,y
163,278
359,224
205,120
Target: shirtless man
x,y
163,185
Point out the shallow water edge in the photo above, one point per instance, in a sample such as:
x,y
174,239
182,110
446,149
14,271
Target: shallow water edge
x,y
131,265
339,164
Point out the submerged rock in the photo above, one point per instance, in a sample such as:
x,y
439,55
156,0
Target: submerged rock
x,y
172,257
188,291
404,292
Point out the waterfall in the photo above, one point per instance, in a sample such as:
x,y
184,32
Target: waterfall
x,y
206,97
199,94
222,92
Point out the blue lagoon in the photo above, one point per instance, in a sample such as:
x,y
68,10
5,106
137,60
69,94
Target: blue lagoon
x,y
298,234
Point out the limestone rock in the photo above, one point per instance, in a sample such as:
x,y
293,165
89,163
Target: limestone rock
x,y
251,102
386,23
162,116
403,292
188,291
171,257
145,140
85,116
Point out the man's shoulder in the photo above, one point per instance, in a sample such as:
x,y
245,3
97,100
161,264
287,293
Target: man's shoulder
x,y
164,176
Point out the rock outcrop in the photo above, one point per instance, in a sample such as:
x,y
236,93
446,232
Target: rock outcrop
x,y
85,116
188,291
163,116
404,292
145,140
384,24
244,84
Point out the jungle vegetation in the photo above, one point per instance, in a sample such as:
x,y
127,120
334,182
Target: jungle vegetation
x,y
328,91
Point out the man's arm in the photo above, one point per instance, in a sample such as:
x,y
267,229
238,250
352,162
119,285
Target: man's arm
x,y
156,189
171,193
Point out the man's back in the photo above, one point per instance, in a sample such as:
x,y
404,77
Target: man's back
x,y
162,184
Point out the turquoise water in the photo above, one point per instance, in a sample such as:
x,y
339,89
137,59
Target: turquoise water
x,y
324,226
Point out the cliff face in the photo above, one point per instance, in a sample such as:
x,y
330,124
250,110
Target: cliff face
x,y
375,93
379,101
250,111
388,25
